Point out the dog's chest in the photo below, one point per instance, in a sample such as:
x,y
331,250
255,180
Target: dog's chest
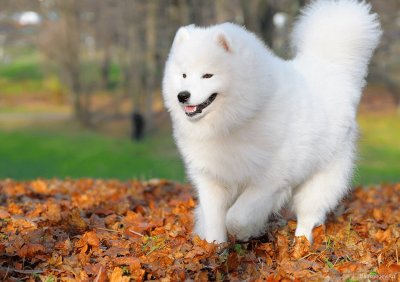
x,y
231,160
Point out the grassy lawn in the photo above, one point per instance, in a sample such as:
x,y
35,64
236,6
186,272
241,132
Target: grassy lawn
x,y
26,73
379,149
27,154
39,153
23,75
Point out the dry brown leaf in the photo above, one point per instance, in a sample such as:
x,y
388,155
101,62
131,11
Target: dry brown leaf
x,y
377,214
390,269
53,212
4,214
91,239
30,250
39,186
117,276
101,275
319,234
350,267
142,231
301,247
75,220
383,236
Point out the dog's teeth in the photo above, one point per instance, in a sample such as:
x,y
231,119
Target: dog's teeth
x,y
190,109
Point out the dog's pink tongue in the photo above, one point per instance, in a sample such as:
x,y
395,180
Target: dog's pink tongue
x,y
190,109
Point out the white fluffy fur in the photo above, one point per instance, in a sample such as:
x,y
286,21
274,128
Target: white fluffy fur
x,y
278,131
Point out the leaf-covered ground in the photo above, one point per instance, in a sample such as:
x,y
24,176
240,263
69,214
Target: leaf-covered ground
x,y
95,230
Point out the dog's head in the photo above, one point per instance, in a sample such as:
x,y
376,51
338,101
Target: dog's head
x,y
208,77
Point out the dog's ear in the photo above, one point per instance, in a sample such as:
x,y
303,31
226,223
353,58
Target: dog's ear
x,y
223,41
182,34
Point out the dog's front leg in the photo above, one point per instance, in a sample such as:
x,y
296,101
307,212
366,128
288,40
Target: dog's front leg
x,y
248,216
214,201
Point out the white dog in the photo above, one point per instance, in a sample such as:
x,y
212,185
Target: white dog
x,y
255,131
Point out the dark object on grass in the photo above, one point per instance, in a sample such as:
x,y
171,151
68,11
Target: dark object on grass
x,y
138,125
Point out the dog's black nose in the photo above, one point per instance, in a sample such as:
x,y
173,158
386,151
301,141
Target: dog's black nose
x,y
183,96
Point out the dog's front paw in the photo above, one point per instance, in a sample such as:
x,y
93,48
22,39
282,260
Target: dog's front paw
x,y
214,234
199,225
306,232
238,226
217,238
198,230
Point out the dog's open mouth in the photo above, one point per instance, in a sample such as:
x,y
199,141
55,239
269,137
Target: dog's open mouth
x,y
192,110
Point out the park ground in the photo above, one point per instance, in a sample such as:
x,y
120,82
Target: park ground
x,y
88,205
96,230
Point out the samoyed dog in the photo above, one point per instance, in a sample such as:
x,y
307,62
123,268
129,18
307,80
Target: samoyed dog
x,y
257,132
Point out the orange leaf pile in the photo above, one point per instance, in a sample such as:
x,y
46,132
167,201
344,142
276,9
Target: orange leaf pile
x,y
96,230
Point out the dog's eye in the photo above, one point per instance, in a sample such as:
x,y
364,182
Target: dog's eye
x,y
184,75
208,75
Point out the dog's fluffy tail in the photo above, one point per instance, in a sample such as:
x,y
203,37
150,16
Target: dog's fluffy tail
x,y
340,32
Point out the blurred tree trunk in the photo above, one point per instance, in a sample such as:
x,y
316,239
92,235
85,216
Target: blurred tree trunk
x,y
105,68
386,60
150,60
394,89
227,11
104,32
258,17
61,42
130,50
183,12
70,58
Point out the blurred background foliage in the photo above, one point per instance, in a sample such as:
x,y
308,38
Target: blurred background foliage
x,y
80,84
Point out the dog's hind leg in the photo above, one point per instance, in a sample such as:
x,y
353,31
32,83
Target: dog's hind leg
x,y
321,193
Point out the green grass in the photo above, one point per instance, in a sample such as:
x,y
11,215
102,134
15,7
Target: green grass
x,y
9,87
23,75
27,154
22,69
379,149
31,154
